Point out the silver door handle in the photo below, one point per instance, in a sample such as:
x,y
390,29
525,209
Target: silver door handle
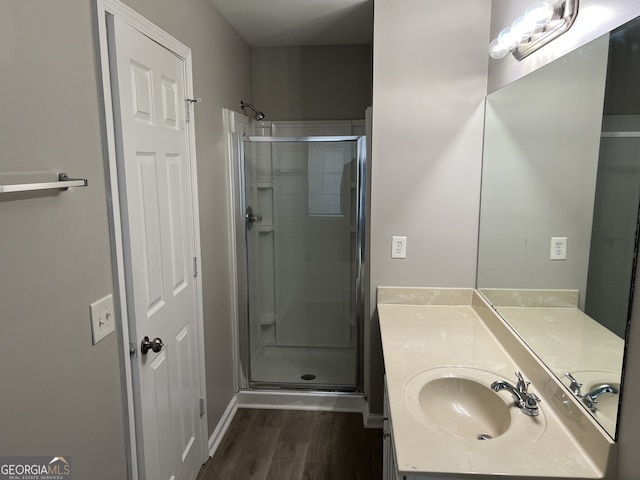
x,y
155,345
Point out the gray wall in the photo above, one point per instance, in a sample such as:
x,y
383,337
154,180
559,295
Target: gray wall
x,y
429,84
312,83
628,431
61,395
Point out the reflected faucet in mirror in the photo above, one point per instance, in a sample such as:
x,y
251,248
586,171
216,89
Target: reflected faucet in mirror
x,y
590,399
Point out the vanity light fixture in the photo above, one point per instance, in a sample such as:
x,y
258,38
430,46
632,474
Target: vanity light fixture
x,y
541,23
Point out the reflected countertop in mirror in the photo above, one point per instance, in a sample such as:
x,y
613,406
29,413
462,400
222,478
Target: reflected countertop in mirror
x,y
567,339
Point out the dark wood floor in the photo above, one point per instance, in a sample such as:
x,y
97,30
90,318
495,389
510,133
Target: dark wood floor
x,y
296,445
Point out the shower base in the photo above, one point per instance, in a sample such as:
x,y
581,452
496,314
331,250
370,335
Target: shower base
x,y
334,367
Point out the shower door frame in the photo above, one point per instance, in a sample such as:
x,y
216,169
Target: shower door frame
x,y
245,382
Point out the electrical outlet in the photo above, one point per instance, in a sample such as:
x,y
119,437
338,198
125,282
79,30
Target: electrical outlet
x,y
558,248
102,320
398,247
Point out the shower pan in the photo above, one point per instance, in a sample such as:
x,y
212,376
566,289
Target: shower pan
x,y
301,249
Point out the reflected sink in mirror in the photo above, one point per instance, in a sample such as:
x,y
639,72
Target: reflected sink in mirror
x,y
458,401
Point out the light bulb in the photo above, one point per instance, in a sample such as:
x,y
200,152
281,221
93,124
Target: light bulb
x,y
508,39
539,13
523,29
496,50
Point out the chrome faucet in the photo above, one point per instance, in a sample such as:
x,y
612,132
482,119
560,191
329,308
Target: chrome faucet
x,y
590,399
527,402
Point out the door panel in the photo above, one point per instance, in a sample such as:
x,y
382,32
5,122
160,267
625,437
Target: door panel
x,y
151,247
179,251
158,236
162,431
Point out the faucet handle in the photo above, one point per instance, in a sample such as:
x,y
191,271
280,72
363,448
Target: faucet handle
x,y
575,385
522,386
532,400
530,405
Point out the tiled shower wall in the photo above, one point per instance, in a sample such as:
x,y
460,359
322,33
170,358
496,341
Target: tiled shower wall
x,y
306,242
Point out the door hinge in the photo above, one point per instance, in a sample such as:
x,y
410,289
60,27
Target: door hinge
x,y
195,266
188,102
202,406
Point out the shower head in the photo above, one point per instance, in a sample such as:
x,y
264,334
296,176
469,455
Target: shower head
x,y
257,114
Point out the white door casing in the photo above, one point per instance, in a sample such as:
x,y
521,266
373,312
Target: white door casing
x,y
159,232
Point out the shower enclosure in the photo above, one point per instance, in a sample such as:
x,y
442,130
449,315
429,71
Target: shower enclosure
x,y
302,202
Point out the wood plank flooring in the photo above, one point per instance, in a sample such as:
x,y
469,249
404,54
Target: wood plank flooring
x,y
296,445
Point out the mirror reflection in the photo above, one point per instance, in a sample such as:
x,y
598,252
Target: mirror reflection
x,y
559,212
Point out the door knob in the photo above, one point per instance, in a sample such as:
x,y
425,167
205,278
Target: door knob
x,y
155,345
252,218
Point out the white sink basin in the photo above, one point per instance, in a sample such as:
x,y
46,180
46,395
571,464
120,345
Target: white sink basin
x,y
464,408
458,401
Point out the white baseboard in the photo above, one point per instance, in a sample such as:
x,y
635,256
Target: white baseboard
x,y
371,420
223,424
319,401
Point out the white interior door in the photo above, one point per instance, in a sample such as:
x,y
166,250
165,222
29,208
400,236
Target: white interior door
x,y
148,84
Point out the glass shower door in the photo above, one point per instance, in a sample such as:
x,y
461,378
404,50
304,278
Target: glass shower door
x,y
303,210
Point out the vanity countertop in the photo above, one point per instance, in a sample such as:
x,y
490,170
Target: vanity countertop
x,y
425,329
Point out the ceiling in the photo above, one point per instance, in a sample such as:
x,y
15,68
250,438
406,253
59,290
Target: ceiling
x,y
274,23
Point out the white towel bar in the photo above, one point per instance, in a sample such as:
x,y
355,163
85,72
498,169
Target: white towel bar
x,y
63,183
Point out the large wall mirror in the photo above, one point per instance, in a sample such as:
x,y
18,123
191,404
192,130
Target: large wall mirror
x,y
559,212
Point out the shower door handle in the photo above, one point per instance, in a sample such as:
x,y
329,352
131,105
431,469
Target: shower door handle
x,y
252,218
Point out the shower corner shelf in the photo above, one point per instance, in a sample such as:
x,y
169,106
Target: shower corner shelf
x,y
63,183
266,228
267,319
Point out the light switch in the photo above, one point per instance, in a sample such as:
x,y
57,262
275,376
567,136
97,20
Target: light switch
x,y
102,320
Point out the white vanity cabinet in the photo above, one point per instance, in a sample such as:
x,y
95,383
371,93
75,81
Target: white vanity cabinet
x,y
389,468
